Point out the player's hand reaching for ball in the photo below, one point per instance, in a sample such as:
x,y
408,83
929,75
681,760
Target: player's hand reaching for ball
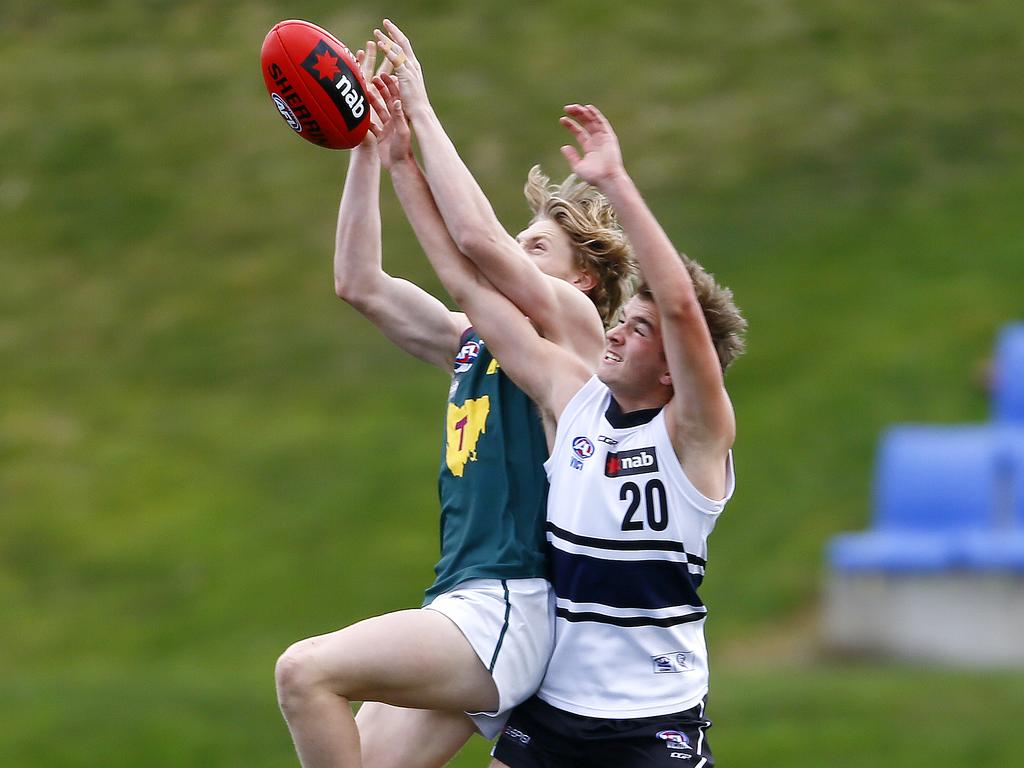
x,y
397,49
601,160
367,60
394,140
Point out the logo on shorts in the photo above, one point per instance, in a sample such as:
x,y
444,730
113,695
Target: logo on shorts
x,y
516,735
674,739
635,462
677,661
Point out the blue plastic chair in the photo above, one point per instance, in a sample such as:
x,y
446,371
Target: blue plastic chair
x,y
1008,375
937,478
1013,466
934,485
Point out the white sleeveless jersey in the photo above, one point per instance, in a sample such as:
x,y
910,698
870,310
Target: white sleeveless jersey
x,y
627,534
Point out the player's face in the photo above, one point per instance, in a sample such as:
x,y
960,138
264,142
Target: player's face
x,y
634,364
551,249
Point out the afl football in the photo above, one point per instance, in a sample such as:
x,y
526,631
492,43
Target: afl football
x,y
315,84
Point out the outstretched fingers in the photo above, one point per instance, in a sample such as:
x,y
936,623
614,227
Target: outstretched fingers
x,y
571,155
577,130
385,98
366,58
589,118
398,36
394,52
380,107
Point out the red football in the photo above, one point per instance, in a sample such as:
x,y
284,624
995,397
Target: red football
x,y
315,84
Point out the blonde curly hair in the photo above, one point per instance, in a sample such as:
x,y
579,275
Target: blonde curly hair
x,y
599,245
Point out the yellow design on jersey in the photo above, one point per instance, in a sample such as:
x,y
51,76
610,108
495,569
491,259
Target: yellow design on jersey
x,y
493,367
465,424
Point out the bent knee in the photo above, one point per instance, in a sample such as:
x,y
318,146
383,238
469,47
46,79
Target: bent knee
x,y
295,674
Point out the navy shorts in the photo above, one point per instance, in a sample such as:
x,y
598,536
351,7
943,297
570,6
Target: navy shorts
x,y
538,735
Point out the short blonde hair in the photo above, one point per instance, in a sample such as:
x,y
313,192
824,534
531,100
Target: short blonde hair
x,y
725,322
599,244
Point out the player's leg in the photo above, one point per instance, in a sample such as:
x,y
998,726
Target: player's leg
x,y
396,737
413,658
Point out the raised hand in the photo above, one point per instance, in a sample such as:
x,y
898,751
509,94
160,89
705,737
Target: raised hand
x,y
366,58
394,140
602,157
397,50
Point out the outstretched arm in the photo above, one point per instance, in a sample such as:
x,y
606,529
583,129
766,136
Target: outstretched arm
x,y
700,416
559,310
406,314
548,373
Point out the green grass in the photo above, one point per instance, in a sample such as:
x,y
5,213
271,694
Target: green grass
x,y
204,456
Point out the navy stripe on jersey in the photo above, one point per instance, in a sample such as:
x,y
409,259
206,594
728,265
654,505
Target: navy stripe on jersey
x,y
624,546
628,621
644,584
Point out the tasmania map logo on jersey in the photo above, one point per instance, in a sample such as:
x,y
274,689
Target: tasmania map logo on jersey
x,y
636,462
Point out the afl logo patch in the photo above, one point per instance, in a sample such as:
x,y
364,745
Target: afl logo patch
x,y
286,113
673,739
467,355
582,447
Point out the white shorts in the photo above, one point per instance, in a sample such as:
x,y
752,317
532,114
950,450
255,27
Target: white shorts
x,y
511,625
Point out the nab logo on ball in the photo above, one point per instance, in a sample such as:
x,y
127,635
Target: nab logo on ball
x,y
339,82
635,462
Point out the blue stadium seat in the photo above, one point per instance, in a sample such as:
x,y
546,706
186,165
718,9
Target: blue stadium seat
x,y
937,478
934,486
950,497
1008,375
892,551
989,550
1013,463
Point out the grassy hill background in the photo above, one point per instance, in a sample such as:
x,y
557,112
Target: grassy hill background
x,y
204,455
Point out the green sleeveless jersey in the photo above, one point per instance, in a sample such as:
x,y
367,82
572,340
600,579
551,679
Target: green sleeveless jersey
x,y
492,486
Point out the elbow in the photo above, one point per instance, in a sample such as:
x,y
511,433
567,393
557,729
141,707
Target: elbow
x,y
473,240
343,287
349,290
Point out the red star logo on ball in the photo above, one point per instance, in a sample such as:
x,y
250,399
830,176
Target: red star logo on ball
x,y
327,66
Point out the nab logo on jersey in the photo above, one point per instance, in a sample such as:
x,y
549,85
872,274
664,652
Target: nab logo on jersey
x,y
635,462
464,360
